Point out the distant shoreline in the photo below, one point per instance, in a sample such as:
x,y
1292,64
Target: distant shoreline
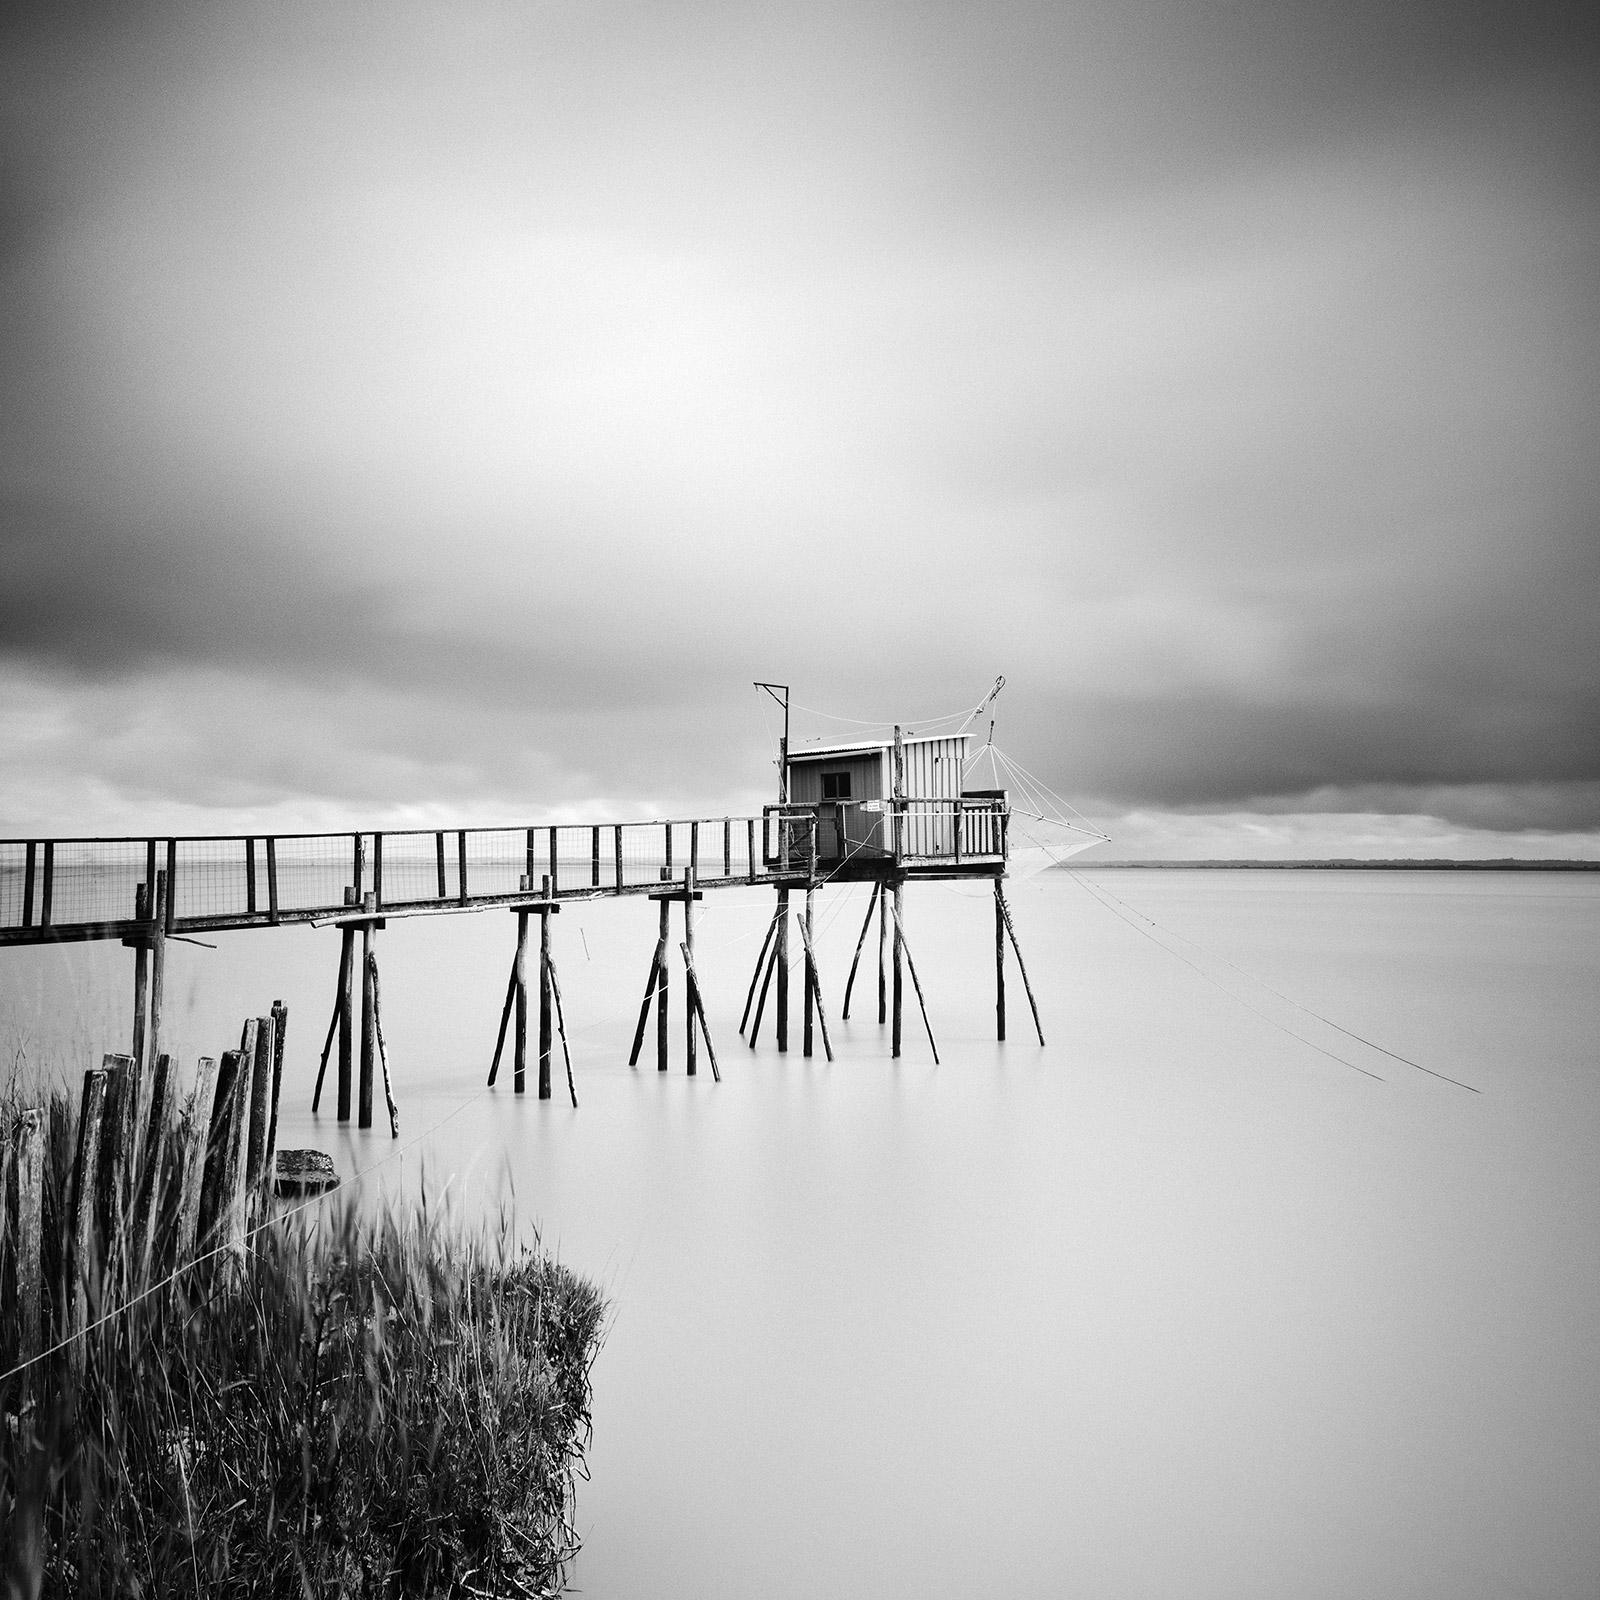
x,y
1426,864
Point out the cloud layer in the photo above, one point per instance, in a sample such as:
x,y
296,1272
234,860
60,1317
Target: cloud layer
x,y
458,410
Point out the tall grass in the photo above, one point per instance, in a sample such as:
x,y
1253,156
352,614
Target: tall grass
x,y
366,1407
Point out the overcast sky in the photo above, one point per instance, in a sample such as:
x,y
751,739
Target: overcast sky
x,y
445,412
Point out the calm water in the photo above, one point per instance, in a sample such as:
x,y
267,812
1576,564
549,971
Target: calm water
x,y
1177,1306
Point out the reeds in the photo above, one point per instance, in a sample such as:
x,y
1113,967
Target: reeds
x,y
388,1406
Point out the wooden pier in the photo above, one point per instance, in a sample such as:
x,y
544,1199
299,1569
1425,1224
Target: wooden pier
x,y
845,815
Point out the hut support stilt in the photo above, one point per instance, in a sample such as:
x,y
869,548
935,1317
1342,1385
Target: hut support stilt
x,y
783,971
902,947
855,961
999,967
808,1006
516,1001
899,982
1005,913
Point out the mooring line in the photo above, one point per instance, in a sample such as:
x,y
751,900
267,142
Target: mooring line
x,y
1178,955
1289,999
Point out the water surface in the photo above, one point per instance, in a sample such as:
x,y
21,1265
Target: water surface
x,y
1177,1305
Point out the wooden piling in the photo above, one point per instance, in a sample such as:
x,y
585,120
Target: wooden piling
x,y
755,976
30,1213
999,967
112,1177
153,1192
250,877
883,944
699,1010
809,979
369,1013
902,946
766,983
561,1030
47,886
219,1184
161,916
280,1019
383,1058
544,976
783,971
519,978
691,998
661,981
814,983
256,1158
438,854
899,982
1022,966
346,1003
141,968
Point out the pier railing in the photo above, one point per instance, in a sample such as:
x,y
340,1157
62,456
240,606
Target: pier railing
x,y
53,889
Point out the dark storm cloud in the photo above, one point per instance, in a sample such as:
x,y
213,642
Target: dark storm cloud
x,y
495,391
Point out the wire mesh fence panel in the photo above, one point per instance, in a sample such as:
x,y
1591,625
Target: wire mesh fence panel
x,y
312,872
19,876
497,860
77,881
405,868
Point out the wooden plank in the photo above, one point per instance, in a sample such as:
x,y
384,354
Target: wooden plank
x,y
438,852
194,1143
250,876
29,1236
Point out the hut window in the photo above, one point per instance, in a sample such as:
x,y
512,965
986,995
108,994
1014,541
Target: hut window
x,y
835,785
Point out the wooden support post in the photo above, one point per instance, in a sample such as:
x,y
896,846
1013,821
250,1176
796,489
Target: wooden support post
x,y
594,858
761,965
813,980
461,866
644,1008
83,1253
250,876
193,1150
661,982
750,849
111,1181
727,847
162,917
850,982
690,998
347,969
554,885
280,1019
141,968
694,849
883,942
505,1019
809,983
761,1004
377,870
369,1014
916,984
699,1010
616,846
545,1019
272,881
1022,967
358,865
438,861
783,971
29,1237
220,1180
29,872
383,1049
999,967
169,898
899,982
47,888
561,1029
519,978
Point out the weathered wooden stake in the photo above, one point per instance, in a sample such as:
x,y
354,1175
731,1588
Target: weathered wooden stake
x,y
280,1017
30,1208
219,1221
141,969
561,1029
383,1057
1022,966
256,1158
83,1257
369,1011
153,1189
761,1004
699,1011
519,977
112,1178
883,942
161,912
855,961
193,1151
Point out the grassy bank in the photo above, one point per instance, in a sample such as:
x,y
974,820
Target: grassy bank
x,y
343,1407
